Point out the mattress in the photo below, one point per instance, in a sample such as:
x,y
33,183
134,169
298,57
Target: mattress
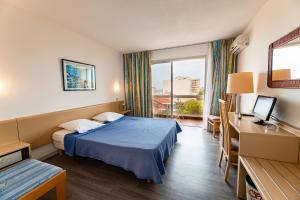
x,y
59,136
58,139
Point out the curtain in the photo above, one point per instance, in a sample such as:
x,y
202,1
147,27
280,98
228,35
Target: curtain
x,y
208,89
137,83
223,63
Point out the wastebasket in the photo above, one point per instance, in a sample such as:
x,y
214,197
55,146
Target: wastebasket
x,y
251,191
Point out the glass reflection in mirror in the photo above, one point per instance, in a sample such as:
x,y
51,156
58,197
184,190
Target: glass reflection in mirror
x,y
286,61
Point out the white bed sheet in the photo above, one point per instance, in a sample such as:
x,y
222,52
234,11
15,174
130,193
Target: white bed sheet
x,y
58,138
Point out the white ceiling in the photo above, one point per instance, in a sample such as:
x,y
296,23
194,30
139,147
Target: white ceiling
x,y
133,25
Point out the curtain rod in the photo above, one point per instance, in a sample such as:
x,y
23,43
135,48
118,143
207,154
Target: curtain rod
x,y
179,46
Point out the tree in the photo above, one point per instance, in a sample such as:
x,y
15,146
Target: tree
x,y
192,107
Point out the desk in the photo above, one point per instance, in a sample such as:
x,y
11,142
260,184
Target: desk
x,y
258,141
270,157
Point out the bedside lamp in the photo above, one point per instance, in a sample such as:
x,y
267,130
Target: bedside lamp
x,y
237,84
116,89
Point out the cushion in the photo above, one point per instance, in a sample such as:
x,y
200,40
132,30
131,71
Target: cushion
x,y
235,144
213,117
108,116
80,125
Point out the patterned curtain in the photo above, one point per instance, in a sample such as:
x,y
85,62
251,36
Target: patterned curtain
x,y
223,63
138,89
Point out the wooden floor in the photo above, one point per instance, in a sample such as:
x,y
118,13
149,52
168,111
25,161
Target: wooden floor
x,y
192,173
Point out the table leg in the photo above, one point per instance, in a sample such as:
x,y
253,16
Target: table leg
x,y
241,184
61,189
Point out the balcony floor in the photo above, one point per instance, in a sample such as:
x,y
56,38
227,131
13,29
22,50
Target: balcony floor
x,y
190,122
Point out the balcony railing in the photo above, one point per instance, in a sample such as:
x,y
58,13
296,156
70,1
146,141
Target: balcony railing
x,y
185,106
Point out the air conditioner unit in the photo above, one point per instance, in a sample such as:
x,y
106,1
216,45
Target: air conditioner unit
x,y
240,43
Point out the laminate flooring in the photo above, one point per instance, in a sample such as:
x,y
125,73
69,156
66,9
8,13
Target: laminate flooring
x,y
192,173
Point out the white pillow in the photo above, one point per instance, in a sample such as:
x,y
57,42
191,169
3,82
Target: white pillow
x,y
80,125
108,116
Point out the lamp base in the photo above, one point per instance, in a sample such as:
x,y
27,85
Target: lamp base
x,y
238,106
239,115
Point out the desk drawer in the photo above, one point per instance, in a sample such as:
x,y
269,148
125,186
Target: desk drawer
x,y
267,146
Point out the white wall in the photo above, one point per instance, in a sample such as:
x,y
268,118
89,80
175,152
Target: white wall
x,y
30,67
275,19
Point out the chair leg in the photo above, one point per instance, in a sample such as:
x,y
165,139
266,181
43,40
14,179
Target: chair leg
x,y
221,157
227,170
214,130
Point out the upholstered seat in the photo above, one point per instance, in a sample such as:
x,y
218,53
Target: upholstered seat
x,y
234,144
214,121
213,117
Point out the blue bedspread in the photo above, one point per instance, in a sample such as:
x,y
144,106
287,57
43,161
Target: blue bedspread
x,y
139,145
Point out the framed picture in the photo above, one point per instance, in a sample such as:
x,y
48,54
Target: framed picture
x,y
78,76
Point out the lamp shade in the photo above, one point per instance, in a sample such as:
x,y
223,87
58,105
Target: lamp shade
x,y
239,83
116,87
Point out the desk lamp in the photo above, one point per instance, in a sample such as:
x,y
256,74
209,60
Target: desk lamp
x,y
237,84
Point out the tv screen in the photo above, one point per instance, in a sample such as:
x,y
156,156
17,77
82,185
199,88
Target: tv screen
x,y
263,107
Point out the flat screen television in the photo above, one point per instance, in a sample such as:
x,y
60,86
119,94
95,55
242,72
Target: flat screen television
x,y
263,108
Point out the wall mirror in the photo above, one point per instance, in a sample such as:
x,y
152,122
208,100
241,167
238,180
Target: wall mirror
x,y
284,61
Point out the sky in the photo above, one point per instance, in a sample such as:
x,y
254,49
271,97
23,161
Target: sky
x,y
194,68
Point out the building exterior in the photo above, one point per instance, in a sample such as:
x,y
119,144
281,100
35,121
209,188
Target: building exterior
x,y
182,86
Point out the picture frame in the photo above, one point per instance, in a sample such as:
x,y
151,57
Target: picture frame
x,y
78,76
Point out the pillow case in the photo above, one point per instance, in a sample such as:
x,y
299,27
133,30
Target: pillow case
x,y
108,116
80,125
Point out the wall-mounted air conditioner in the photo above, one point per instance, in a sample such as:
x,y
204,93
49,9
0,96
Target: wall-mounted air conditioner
x,y
240,43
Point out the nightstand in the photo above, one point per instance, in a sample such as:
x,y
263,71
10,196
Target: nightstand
x,y
13,153
125,112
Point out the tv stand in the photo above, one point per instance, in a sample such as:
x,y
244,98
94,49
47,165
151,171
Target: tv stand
x,y
261,122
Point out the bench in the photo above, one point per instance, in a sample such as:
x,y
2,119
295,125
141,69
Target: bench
x,y
30,179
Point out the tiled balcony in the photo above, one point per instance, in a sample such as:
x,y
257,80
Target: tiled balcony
x,y
187,109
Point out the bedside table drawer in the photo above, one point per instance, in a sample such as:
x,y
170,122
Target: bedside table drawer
x,y
10,159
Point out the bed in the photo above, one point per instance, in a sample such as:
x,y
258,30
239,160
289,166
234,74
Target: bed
x,y
139,145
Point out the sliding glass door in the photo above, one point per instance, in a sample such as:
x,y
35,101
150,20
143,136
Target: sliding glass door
x,y
178,88
162,89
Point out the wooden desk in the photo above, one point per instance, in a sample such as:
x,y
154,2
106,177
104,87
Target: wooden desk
x,y
269,156
259,141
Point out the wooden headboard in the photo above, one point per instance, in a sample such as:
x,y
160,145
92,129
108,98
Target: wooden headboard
x,y
8,131
37,130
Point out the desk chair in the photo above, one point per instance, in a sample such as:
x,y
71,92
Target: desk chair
x,y
215,121
229,145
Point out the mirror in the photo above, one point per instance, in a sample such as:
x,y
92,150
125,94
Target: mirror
x,y
284,61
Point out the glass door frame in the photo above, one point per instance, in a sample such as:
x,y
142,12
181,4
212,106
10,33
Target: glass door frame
x,y
171,61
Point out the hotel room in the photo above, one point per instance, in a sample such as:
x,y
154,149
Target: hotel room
x,y
162,99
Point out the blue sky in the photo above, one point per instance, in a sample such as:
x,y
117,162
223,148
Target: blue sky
x,y
194,68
